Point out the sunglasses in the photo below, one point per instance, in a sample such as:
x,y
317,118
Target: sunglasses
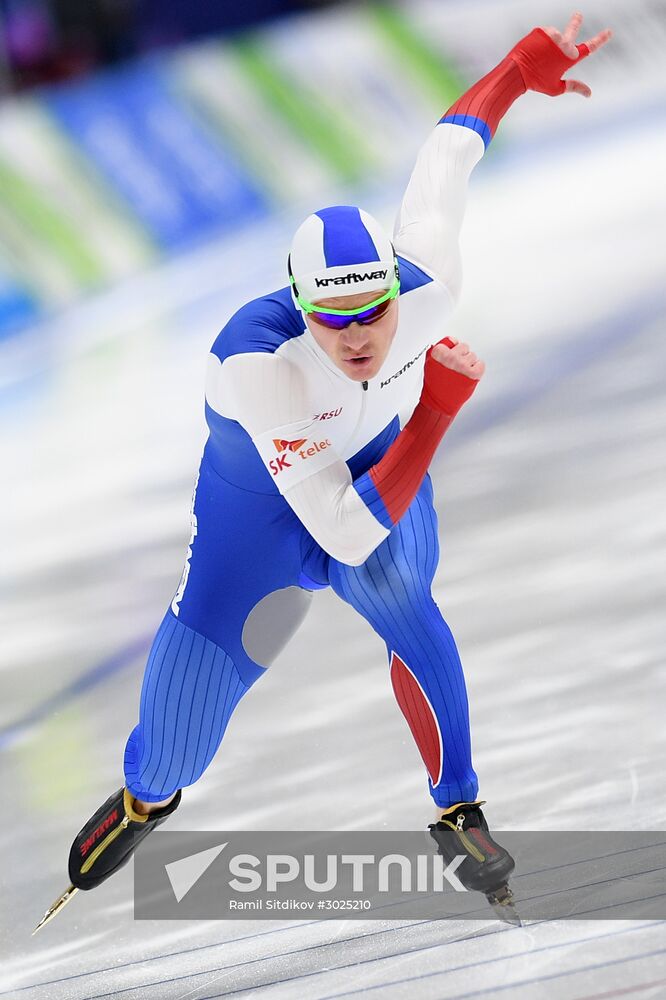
x,y
340,319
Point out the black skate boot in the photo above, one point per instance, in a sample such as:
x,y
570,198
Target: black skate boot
x,y
462,829
110,837
106,843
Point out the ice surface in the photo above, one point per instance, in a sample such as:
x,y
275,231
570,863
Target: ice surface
x,y
551,499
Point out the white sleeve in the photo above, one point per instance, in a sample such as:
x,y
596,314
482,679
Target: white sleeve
x,y
267,395
428,225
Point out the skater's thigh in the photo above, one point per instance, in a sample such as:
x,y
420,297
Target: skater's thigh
x,y
240,585
399,573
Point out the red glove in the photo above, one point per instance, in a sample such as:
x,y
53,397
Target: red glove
x,y
536,62
445,390
398,475
542,62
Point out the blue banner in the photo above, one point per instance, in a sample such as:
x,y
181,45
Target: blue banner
x,y
178,180
16,305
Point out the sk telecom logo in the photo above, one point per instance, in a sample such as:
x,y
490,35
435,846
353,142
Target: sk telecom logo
x,y
281,445
294,449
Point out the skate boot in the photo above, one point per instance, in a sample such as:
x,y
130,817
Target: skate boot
x,y
462,829
106,843
110,837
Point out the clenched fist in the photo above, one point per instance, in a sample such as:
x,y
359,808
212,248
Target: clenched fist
x,y
458,357
451,375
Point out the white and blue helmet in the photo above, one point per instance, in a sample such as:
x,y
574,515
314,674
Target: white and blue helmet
x,y
341,250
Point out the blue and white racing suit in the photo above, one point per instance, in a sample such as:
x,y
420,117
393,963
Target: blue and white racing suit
x,y
284,506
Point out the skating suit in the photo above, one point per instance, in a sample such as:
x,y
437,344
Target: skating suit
x,y
285,502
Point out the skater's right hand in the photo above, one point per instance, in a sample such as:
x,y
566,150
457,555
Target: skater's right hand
x,y
546,53
452,373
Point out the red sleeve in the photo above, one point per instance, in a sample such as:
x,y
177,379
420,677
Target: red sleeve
x,y
536,62
389,487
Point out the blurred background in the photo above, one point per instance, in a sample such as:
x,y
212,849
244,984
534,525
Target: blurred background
x,y
49,40
155,159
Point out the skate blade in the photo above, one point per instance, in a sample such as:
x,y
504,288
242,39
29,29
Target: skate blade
x,y
56,907
502,903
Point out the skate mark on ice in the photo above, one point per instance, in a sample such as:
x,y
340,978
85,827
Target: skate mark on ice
x,y
499,958
155,958
636,988
280,956
560,975
361,962
446,971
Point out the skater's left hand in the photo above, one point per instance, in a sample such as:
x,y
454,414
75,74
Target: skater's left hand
x,y
451,375
542,66
458,357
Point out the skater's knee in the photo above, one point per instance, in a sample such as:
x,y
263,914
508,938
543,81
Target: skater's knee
x,y
272,622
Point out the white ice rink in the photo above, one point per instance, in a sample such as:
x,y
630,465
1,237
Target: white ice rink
x,y
552,503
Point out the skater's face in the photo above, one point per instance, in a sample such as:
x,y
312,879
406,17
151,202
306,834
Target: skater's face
x,y
360,349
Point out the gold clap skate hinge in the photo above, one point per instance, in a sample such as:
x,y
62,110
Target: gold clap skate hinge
x,y
110,837
470,847
467,843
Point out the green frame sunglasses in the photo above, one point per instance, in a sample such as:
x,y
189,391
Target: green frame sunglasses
x,y
336,319
308,307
